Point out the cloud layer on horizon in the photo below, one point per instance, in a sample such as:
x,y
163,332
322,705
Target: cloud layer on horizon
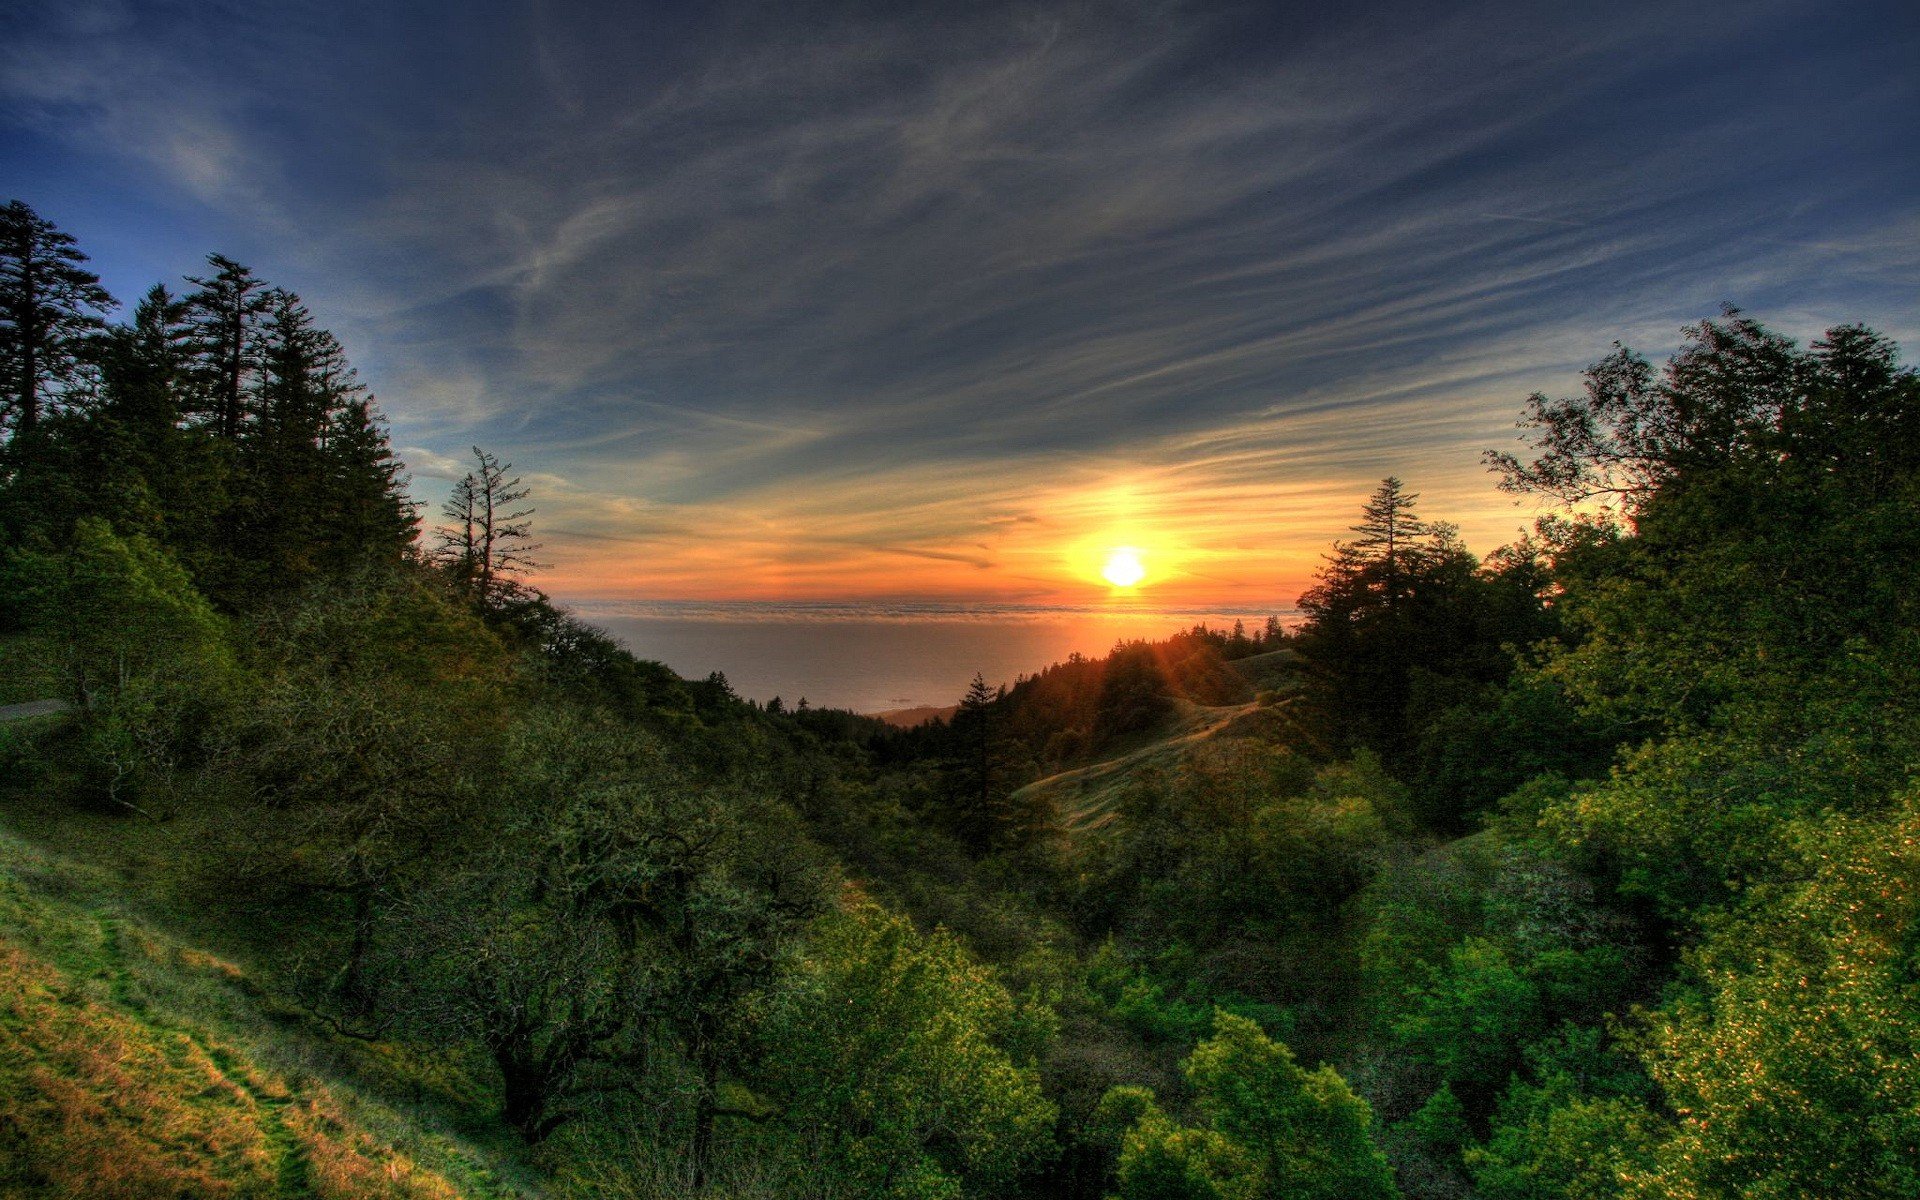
x,y
775,304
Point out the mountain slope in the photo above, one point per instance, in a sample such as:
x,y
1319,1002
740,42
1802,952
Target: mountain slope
x,y
132,1065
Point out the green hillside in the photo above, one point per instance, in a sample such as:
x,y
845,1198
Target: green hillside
x,y
133,1064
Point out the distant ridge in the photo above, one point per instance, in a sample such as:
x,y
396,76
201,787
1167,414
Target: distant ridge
x,y
908,718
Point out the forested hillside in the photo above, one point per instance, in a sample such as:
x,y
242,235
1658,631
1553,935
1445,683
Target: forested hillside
x,y
1584,868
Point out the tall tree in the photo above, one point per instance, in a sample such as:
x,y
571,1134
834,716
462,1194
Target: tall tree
x,y
1374,568
1399,604
366,503
488,543
978,775
1720,402
146,364
50,306
227,313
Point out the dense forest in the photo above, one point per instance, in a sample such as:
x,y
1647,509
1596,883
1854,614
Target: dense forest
x,y
353,866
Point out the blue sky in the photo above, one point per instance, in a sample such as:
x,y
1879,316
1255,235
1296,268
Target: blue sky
x,y
822,301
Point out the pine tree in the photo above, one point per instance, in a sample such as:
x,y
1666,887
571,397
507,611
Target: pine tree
x,y
978,772
1390,536
146,364
145,393
322,490
50,309
227,314
366,503
457,551
1375,569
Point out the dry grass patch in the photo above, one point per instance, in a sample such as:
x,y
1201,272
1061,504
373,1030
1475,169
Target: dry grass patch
x,y
96,1104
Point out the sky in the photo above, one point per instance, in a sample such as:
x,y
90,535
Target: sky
x,y
942,303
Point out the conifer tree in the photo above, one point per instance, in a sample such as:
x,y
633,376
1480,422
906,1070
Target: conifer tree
x,y
227,314
366,502
979,772
50,308
146,364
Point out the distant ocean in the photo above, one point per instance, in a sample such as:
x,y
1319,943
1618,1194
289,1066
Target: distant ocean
x,y
873,658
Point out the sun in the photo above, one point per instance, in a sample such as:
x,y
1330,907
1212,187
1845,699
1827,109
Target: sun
x,y
1123,569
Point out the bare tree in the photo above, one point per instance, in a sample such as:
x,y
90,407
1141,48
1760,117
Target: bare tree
x,y
488,543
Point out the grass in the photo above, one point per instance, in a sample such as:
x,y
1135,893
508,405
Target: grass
x,y
135,1065
1087,797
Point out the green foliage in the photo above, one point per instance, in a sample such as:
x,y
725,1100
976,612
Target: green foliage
x,y
1752,629
121,610
1474,1016
1246,840
1404,640
1155,1009
616,904
906,1064
1584,1126
1579,1148
1272,1129
1793,1062
1440,1123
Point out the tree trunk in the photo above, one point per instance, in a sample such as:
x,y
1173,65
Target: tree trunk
x,y
353,986
523,1093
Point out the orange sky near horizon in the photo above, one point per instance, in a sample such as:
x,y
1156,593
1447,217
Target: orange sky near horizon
x,y
1206,536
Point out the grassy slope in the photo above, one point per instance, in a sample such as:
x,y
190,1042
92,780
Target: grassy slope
x,y
1085,797
134,1065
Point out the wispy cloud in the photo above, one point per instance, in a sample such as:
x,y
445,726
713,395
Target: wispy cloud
x,y
920,300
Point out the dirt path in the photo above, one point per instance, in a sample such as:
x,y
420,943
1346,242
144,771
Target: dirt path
x,y
1078,794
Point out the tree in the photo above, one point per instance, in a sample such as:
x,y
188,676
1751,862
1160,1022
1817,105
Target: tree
x,y
120,608
707,892
549,998
615,921
226,313
1398,606
364,746
904,1064
1792,1062
487,543
977,774
50,309
1737,396
1376,569
1135,694
1272,1130
1391,538
144,654
322,489
1758,624
147,363
364,502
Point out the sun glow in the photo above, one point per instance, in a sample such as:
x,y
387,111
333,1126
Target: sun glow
x,y
1123,569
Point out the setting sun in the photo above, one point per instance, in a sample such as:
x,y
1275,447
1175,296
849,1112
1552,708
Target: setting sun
x,y
1123,569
